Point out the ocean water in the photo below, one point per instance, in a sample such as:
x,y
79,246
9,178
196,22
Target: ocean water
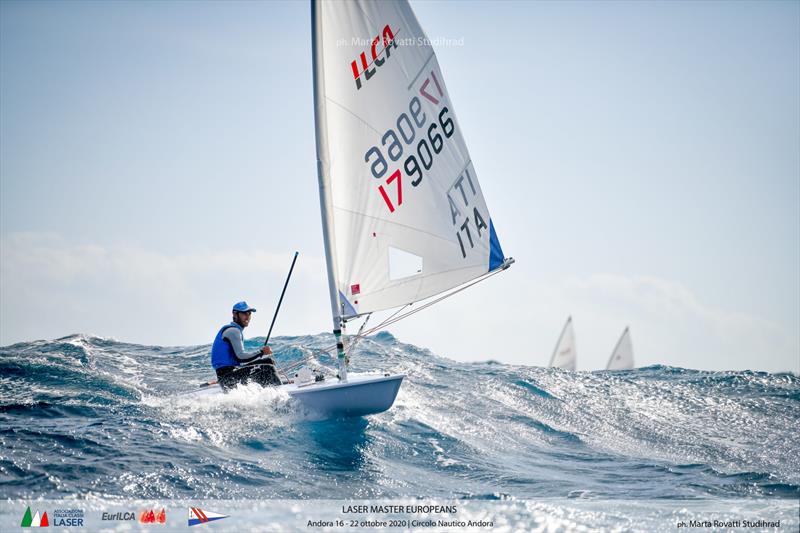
x,y
100,423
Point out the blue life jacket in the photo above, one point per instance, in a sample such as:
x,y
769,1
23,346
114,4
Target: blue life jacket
x,y
222,353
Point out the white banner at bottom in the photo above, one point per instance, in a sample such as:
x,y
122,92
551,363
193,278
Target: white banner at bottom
x,y
571,514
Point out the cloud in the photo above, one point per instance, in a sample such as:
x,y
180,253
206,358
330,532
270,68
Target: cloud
x,y
675,327
511,319
51,287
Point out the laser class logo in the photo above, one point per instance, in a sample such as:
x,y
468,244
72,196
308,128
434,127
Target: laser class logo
x,y
197,516
30,520
370,68
68,518
149,516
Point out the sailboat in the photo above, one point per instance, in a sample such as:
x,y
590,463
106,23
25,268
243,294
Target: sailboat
x,y
565,354
622,356
404,220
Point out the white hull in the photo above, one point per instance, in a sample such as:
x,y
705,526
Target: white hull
x,y
360,395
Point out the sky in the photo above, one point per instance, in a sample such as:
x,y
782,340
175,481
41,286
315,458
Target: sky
x,y
641,162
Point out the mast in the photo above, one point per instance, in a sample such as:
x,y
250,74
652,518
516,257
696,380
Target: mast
x,y
320,122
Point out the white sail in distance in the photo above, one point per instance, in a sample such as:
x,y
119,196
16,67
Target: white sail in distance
x,y
622,356
403,212
565,353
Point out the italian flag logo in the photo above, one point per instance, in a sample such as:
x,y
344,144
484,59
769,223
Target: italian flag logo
x,y
34,520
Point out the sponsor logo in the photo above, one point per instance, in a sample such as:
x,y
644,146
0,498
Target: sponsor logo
x,y
355,289
123,515
197,516
34,520
68,518
379,57
149,516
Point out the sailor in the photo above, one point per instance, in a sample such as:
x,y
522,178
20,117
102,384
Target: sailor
x,y
232,364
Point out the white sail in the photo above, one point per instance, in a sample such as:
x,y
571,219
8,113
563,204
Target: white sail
x,y
403,212
403,215
622,356
565,353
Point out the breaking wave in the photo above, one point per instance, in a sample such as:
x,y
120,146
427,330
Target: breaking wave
x,y
92,417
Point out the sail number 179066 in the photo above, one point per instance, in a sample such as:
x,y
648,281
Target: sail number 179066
x,y
418,140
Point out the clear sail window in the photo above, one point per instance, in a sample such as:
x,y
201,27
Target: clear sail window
x,y
403,264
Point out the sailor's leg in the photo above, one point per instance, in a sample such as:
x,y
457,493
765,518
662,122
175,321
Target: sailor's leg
x,y
233,377
264,374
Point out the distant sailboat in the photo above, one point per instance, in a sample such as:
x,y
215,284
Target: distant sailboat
x,y
565,354
622,356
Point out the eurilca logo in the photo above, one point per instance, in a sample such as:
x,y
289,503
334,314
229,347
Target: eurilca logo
x,y
377,60
197,516
34,520
149,516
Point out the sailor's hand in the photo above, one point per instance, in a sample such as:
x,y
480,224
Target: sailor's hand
x,y
266,350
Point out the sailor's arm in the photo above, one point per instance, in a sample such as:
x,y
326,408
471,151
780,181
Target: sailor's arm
x,y
234,336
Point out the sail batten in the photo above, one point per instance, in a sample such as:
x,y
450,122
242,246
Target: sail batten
x,y
395,177
421,70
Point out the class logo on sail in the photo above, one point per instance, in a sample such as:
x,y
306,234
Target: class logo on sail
x,y
34,520
379,56
197,516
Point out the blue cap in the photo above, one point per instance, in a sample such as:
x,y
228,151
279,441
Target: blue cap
x,y
242,307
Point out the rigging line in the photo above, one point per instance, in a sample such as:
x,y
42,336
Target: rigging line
x,y
355,339
324,351
379,326
281,372
428,304
391,316
297,364
409,280
386,321
357,336
391,319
